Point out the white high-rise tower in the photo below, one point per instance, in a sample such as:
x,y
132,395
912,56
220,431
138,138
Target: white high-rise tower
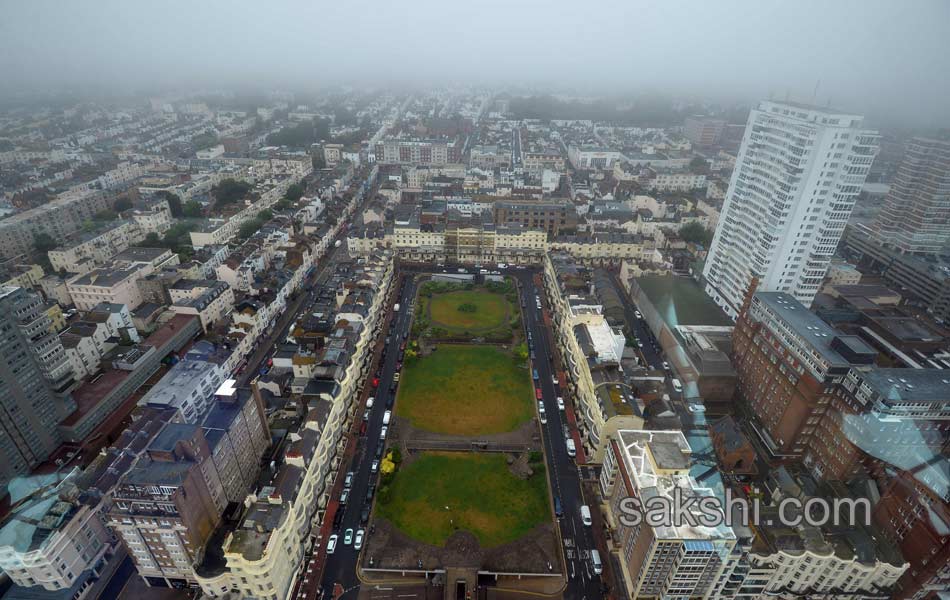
x,y
797,175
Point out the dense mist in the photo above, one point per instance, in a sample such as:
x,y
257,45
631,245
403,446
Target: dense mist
x,y
885,59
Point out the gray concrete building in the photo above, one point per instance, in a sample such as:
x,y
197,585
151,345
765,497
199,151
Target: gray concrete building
x,y
35,378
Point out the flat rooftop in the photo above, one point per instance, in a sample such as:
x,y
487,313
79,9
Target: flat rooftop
x,y
820,336
930,386
681,301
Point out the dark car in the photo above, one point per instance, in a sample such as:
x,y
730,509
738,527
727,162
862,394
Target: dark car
x,y
389,401
338,519
379,449
392,387
364,514
369,493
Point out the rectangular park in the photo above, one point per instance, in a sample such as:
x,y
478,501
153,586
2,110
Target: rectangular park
x,y
465,474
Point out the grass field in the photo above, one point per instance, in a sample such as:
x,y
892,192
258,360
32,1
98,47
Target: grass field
x,y
491,310
465,390
481,494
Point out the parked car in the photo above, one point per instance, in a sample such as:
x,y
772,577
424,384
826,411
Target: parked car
x,y
383,432
396,376
666,366
358,541
364,514
344,496
637,312
369,401
386,416
366,415
560,403
331,544
374,466
348,537
537,393
677,386
369,493
348,481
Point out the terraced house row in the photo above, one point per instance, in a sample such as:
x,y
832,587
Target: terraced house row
x,y
265,547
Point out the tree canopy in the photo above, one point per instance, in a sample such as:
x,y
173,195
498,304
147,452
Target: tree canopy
x,y
249,228
192,209
646,110
44,242
229,191
174,204
205,140
294,192
122,205
695,233
301,135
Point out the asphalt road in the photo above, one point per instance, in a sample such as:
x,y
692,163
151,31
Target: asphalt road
x,y
516,146
565,478
340,567
268,344
651,351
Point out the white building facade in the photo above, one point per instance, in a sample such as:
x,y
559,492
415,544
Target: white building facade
x,y
797,176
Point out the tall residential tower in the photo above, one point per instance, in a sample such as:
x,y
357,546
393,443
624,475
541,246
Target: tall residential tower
x,y
915,217
797,175
35,377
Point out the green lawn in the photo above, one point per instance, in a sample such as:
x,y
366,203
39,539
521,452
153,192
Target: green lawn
x,y
465,390
491,310
481,494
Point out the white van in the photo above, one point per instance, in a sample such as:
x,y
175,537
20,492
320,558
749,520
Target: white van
x,y
585,515
571,449
595,562
677,386
396,307
386,416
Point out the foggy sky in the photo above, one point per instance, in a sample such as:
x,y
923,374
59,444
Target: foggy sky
x,y
879,58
